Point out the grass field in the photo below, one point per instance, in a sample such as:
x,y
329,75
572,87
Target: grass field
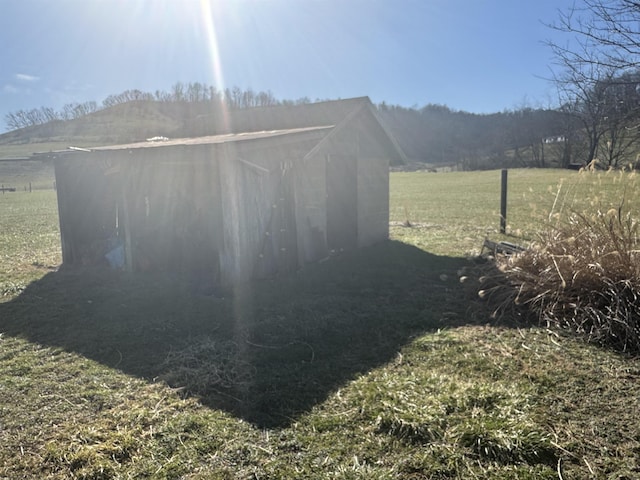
x,y
377,364
25,174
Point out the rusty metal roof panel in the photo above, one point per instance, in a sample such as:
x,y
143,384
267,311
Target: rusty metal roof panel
x,y
214,139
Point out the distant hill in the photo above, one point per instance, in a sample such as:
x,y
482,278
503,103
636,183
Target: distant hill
x,y
122,123
433,135
138,120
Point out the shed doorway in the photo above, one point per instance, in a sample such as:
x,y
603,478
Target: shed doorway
x,y
342,202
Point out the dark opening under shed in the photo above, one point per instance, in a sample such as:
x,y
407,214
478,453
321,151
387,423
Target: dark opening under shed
x,y
261,200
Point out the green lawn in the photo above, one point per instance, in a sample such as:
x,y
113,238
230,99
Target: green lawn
x,y
453,212
29,238
377,364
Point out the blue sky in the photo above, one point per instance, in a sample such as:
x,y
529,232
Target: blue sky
x,y
476,55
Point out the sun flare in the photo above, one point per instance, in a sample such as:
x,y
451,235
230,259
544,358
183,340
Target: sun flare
x,y
212,45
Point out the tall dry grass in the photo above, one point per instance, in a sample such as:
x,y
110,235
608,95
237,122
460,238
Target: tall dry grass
x,y
581,274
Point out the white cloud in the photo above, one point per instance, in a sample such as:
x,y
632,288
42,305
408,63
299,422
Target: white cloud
x,y
8,88
26,77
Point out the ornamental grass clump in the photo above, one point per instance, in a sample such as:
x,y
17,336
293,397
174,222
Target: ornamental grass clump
x,y
582,275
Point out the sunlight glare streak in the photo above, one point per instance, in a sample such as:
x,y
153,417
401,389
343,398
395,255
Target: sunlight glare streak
x,y
212,42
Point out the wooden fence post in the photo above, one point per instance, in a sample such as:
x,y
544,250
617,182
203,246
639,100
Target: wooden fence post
x,y
503,202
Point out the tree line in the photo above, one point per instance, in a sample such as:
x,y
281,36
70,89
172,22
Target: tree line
x,y
432,134
437,135
42,115
193,92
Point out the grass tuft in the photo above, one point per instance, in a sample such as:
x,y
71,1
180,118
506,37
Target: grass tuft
x,y
508,446
412,432
583,275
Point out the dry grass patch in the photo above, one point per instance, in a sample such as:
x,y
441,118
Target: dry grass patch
x,y
581,274
207,365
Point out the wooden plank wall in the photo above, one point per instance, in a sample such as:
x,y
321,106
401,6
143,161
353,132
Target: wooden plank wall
x,y
310,191
87,209
373,184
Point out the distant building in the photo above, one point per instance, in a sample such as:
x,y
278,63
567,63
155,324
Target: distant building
x,y
554,139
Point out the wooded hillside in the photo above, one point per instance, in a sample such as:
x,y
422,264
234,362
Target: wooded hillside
x,y
433,135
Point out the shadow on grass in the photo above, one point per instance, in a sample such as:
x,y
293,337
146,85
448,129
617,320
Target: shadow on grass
x,y
267,352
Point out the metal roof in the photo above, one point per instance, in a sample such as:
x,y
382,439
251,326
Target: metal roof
x,y
211,139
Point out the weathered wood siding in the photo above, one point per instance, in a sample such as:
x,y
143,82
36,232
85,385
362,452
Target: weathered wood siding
x,y
258,209
342,201
373,200
175,217
87,210
310,185
373,183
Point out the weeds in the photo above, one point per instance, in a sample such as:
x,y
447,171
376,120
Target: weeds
x,y
11,289
582,274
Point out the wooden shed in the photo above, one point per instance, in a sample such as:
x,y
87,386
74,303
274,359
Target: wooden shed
x,y
229,207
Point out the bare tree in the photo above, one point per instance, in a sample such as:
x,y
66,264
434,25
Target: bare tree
x,y
177,92
598,79
265,99
13,120
606,32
